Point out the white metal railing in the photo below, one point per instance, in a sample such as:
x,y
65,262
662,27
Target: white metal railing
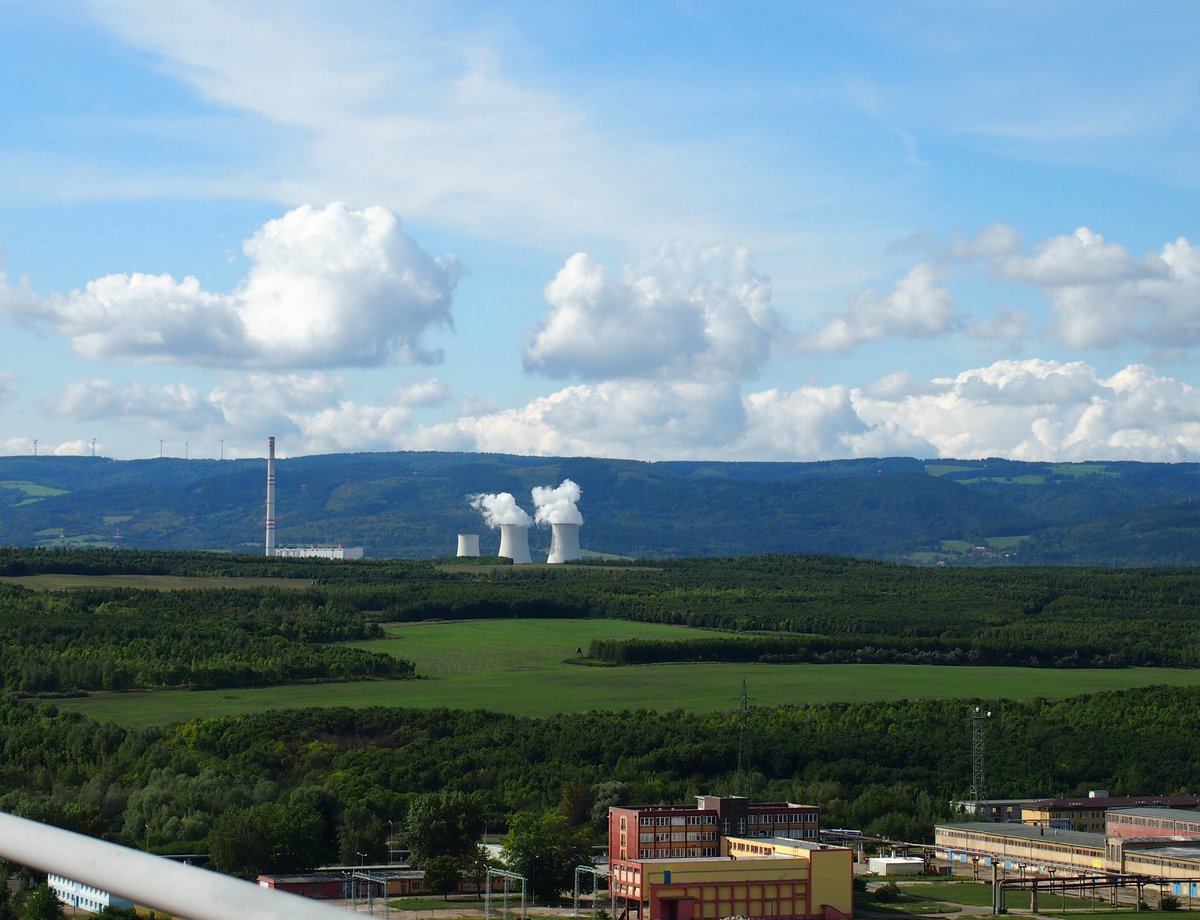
x,y
178,889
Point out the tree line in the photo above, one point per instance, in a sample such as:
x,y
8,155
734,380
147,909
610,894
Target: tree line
x,y
784,609
122,639
318,785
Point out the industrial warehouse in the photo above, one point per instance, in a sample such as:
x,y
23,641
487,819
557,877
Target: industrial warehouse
x,y
1152,841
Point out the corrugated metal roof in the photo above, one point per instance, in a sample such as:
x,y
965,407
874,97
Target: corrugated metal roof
x,y
1024,832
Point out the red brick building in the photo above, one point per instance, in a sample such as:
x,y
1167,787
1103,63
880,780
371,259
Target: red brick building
x,y
682,831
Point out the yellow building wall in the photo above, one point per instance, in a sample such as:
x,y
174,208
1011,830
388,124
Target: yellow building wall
x,y
831,871
723,870
833,879
784,885
745,887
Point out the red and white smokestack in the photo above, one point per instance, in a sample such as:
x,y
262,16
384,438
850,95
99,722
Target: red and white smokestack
x,y
270,496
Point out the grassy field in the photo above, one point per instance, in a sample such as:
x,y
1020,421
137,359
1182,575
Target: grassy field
x,y
521,667
160,582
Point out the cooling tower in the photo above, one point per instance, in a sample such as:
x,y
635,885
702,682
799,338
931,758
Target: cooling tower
x,y
564,543
468,544
514,543
270,496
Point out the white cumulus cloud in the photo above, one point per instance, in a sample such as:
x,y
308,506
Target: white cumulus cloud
x,y
1101,294
918,307
682,314
270,403
1025,409
178,404
637,418
327,287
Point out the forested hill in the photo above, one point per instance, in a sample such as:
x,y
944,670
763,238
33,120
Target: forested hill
x,y
409,504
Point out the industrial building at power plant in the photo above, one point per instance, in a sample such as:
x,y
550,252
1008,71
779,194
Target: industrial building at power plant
x,y
555,506
1151,841
637,832
726,856
311,551
1078,813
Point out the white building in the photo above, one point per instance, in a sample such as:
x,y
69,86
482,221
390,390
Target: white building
x,y
318,552
84,897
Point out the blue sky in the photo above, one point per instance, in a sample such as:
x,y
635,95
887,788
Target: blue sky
x,y
670,230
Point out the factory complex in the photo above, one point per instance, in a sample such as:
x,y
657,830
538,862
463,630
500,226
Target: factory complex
x,y
726,856
1155,841
312,551
555,506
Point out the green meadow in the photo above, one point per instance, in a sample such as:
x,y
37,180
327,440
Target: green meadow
x,y
523,667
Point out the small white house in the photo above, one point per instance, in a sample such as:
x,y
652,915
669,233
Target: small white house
x,y
896,865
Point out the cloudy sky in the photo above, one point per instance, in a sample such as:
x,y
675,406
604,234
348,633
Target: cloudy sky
x,y
685,229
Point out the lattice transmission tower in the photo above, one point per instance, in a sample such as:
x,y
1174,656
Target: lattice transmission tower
x,y
742,782
979,719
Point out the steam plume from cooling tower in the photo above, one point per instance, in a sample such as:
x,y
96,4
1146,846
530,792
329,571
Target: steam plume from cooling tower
x,y
557,505
500,508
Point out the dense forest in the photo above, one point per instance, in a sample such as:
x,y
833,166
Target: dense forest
x,y
889,768
314,784
411,504
790,609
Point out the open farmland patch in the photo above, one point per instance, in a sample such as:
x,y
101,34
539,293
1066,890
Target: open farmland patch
x,y
520,667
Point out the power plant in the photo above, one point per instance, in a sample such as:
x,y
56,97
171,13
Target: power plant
x,y
554,506
558,507
297,552
500,509
564,543
514,543
270,547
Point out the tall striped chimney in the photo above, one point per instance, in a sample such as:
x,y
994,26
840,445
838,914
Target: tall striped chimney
x,y
270,496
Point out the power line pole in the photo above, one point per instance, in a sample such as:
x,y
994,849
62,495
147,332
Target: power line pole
x,y
742,782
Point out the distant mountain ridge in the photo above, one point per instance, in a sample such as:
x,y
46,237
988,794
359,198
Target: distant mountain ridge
x,y
411,504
